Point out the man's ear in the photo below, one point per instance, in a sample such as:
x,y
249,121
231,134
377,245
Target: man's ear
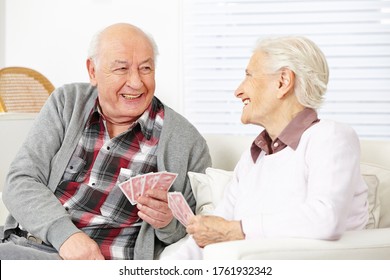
x,y
91,67
286,82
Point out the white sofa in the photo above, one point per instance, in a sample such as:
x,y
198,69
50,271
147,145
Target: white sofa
x,y
372,243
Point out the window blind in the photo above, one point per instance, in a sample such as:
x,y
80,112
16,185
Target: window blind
x,y
219,36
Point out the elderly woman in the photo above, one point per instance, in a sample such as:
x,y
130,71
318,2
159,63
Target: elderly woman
x,y
301,176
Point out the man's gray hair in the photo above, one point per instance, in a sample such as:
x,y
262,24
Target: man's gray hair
x,y
95,41
303,57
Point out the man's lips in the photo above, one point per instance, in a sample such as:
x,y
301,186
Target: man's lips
x,y
130,96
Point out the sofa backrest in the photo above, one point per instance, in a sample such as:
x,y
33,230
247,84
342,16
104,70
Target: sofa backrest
x,y
375,152
226,150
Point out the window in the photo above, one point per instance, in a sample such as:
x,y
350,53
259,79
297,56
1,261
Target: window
x,y
219,36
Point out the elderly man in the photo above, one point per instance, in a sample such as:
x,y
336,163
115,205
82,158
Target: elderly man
x,y
301,176
62,188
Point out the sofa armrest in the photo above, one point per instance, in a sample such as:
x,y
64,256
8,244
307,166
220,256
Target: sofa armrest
x,y
364,244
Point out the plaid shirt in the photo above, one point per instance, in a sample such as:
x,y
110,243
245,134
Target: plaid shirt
x,y
89,187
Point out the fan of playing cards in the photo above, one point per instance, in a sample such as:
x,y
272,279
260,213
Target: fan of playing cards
x,y
138,185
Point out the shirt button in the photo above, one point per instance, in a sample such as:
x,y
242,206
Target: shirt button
x,y
276,144
93,184
108,148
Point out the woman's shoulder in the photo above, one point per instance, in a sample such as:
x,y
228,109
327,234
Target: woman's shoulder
x,y
328,127
327,134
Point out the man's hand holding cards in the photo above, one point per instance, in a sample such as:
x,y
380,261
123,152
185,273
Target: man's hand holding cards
x,y
138,185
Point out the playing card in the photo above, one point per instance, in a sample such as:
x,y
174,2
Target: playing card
x,y
179,207
176,210
165,180
137,186
127,190
150,180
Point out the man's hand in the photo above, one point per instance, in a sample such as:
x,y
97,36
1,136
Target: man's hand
x,y
212,229
80,246
153,208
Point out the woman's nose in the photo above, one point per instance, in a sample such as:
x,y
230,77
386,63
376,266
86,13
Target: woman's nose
x,y
238,92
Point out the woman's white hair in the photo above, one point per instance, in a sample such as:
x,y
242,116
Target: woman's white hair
x,y
95,41
303,57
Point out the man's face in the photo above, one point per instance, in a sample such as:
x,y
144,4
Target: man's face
x,y
257,92
124,73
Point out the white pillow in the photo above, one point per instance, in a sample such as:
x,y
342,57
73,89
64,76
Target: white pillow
x,y
208,188
208,191
379,194
373,201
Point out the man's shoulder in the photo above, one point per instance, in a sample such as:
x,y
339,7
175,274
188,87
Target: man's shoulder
x,y
176,121
75,91
76,88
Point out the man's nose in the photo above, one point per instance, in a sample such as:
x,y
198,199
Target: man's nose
x,y
134,79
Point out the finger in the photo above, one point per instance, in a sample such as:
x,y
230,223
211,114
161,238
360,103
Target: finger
x,y
155,219
190,229
200,241
157,194
160,213
153,203
192,220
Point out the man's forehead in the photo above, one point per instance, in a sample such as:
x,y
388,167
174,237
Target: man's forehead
x,y
126,62
119,61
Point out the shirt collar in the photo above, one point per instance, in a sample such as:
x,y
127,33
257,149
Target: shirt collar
x,y
146,120
290,136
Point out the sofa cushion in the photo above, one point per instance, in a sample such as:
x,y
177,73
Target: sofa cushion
x,y
208,188
378,181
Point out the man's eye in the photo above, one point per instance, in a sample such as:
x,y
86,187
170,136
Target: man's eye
x,y
145,69
120,70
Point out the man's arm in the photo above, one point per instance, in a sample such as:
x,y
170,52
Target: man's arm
x,y
27,194
80,246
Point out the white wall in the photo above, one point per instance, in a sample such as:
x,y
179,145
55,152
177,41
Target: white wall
x,y
52,36
2,32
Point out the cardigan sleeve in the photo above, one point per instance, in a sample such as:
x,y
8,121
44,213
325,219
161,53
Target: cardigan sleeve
x,y
27,193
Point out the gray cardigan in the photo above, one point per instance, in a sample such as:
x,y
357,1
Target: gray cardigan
x,y
39,165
